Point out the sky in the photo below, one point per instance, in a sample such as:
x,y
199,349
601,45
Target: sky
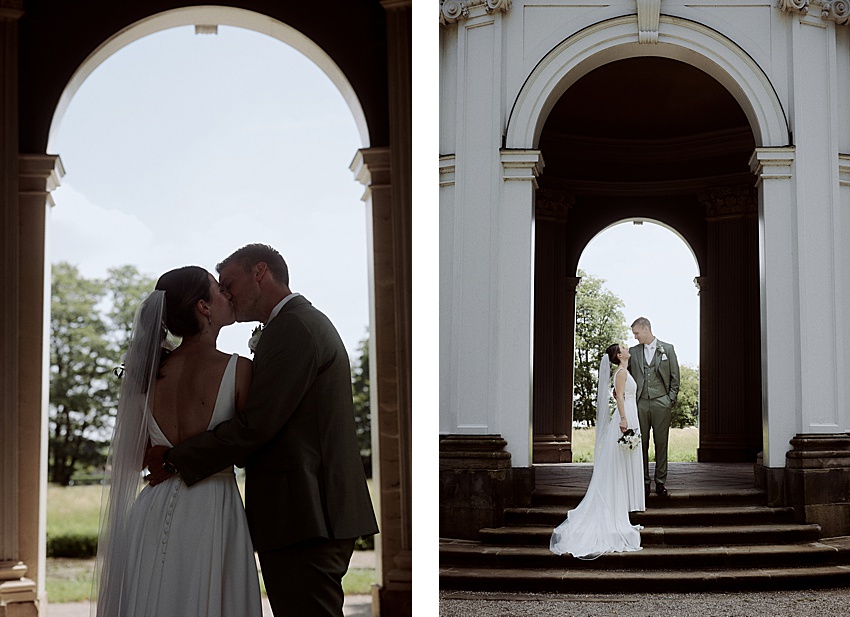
x,y
655,281
181,148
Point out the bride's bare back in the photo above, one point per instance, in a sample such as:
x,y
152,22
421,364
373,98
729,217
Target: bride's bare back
x,y
186,391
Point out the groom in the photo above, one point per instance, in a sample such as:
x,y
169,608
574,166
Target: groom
x,y
655,370
306,494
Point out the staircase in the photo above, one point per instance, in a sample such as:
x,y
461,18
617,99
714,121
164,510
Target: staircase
x,y
700,540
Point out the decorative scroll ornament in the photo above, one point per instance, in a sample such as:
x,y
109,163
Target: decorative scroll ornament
x,y
834,10
452,11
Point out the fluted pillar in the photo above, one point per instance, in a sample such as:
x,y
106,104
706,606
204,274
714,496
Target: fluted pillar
x,y
730,358
552,410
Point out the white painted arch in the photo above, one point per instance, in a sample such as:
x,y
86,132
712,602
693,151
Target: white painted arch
x,y
221,16
617,39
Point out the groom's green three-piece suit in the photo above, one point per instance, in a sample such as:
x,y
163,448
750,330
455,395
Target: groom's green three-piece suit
x,y
657,390
306,494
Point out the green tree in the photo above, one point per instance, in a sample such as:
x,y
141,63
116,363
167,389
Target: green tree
x,y
90,325
362,406
599,323
686,409
80,366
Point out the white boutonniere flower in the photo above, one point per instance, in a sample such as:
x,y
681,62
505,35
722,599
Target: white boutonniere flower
x,y
663,352
255,338
630,439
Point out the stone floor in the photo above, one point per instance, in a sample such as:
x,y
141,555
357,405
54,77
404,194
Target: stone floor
x,y
680,476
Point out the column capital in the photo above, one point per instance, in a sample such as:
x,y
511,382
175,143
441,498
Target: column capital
x,y
832,10
726,202
11,9
447,170
524,165
553,205
371,168
772,163
40,174
452,11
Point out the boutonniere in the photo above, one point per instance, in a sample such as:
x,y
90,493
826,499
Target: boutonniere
x,y
255,338
662,351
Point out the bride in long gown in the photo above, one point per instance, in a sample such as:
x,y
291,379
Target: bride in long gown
x,y
600,523
172,550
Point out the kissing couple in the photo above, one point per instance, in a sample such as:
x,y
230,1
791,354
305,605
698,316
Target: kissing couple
x,y
181,546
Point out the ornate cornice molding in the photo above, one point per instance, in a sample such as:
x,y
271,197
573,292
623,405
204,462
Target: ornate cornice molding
x,y
553,205
452,11
725,202
834,10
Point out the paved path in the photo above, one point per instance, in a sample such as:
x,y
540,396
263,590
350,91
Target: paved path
x,y
818,603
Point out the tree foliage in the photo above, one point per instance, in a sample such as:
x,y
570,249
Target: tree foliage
x,y
362,407
90,324
599,323
686,409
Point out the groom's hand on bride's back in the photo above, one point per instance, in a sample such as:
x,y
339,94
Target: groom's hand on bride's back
x,y
153,461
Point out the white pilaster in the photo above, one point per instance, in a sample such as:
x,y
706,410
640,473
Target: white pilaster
x,y
469,222
815,123
779,292
513,300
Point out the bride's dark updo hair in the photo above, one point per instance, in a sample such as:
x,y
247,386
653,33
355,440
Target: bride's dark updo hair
x,y
613,351
183,288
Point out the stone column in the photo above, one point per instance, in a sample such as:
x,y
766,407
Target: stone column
x,y
18,594
390,487
778,289
553,350
730,363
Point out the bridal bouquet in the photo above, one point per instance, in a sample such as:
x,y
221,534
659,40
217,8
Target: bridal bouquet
x,y
630,439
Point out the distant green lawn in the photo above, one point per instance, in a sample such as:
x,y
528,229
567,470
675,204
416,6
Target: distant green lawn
x,y
681,448
76,509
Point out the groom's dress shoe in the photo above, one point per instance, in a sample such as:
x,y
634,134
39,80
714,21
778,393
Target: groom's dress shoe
x,y
660,490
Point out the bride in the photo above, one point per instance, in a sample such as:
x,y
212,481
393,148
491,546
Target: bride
x,y
173,550
600,523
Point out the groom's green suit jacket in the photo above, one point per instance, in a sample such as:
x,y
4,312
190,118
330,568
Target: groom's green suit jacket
x,y
664,363
304,477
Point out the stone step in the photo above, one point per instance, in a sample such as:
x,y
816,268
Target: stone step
x,y
670,516
676,499
537,535
630,581
466,554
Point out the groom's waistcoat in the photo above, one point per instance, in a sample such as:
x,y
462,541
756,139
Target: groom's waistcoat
x,y
653,387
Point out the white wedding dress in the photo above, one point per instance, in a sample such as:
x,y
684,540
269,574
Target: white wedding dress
x,y
600,523
191,554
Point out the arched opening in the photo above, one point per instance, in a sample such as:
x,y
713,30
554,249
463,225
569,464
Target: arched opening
x,y
679,157
51,49
671,303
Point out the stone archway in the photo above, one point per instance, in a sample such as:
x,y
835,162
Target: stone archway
x,y
49,50
680,158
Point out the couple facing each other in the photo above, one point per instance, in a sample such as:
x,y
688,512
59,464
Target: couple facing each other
x,y
182,546
646,385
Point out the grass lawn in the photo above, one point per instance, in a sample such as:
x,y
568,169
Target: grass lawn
x,y
682,447
76,509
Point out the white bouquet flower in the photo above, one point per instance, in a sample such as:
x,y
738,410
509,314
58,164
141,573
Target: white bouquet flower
x,y
630,439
